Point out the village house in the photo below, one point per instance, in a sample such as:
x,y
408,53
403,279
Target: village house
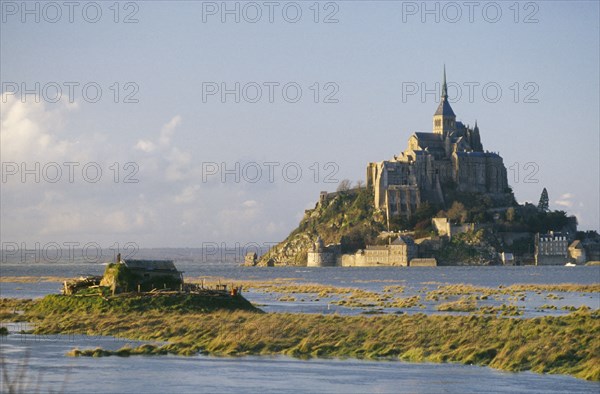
x,y
551,248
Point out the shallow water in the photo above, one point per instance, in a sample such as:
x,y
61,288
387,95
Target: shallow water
x,y
364,277
47,358
368,278
47,361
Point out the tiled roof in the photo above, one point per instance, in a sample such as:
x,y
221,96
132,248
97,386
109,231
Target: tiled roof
x,y
444,109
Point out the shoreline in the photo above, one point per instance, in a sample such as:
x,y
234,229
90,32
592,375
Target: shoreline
x,y
560,345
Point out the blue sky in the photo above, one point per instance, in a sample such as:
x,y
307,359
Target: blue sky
x,y
175,137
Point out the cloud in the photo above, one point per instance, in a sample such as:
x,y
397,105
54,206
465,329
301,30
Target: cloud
x,y
564,203
178,165
30,132
565,200
188,195
170,205
121,221
164,138
250,204
176,162
145,146
167,131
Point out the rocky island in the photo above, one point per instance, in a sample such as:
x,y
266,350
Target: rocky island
x,y
444,200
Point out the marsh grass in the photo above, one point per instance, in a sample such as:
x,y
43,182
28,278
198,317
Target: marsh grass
x,y
289,290
463,304
11,309
32,279
517,290
565,344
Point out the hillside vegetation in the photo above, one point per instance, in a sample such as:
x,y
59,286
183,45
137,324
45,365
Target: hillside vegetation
x,y
348,217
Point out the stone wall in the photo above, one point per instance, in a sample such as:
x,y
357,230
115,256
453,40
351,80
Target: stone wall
x,y
430,262
551,260
353,260
380,255
321,259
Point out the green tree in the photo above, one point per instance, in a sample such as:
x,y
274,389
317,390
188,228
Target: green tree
x,y
344,185
457,212
544,204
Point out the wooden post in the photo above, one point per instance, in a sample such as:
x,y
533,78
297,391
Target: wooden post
x,y
139,287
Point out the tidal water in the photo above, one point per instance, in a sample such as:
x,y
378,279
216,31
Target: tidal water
x,y
48,369
415,280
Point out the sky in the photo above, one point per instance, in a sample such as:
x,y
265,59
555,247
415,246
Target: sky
x,y
177,124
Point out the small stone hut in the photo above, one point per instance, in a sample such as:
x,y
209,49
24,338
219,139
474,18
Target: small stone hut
x,y
142,275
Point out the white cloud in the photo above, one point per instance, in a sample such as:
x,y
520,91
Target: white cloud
x,y
565,200
164,138
31,132
176,161
188,195
169,206
564,203
167,131
121,221
145,146
178,165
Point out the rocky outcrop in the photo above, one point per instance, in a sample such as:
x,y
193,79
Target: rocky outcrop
x,y
346,217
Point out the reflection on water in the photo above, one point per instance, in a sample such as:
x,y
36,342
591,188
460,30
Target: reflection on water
x,y
150,374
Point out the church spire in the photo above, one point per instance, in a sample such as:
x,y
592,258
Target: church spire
x,y
444,86
444,118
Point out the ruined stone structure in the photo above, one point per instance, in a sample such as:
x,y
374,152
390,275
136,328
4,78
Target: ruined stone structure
x,y
445,228
451,156
551,248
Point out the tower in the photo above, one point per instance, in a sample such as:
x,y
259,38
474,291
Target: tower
x,y
475,139
444,119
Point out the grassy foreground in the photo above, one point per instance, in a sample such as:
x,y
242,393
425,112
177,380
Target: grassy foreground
x,y
565,344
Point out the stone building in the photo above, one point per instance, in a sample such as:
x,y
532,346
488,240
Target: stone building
x,y
551,248
323,256
445,228
452,155
398,253
141,275
507,258
155,270
577,253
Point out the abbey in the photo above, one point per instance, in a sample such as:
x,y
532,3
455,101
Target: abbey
x,y
449,158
